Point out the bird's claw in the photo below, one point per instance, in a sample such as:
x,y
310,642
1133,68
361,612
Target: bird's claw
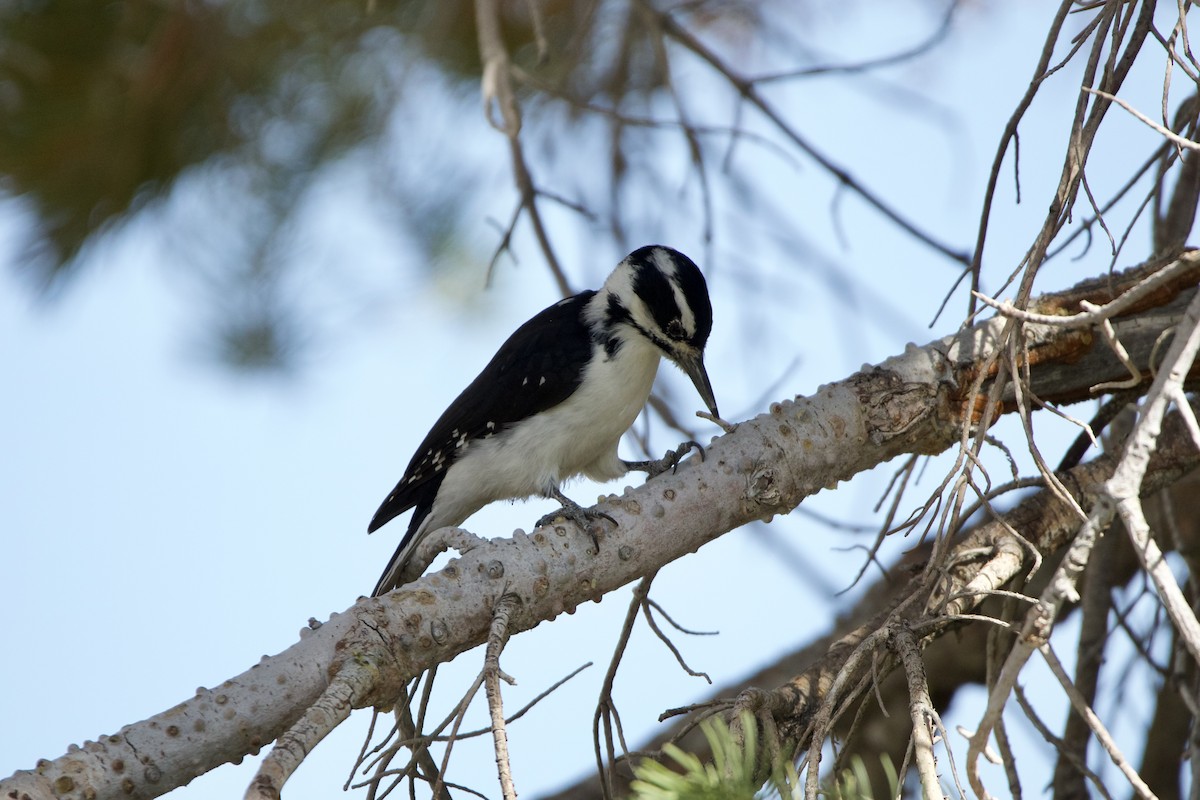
x,y
670,461
678,453
583,517
572,511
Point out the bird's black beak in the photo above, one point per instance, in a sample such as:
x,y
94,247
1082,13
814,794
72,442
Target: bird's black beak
x,y
693,365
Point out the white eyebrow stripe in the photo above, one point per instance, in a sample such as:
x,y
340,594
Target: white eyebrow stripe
x,y
667,266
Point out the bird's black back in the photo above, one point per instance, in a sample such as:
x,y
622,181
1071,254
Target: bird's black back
x,y
538,367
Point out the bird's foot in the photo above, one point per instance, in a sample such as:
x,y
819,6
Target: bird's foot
x,y
668,462
583,517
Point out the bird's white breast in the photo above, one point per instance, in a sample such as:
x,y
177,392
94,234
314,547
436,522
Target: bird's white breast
x,y
578,436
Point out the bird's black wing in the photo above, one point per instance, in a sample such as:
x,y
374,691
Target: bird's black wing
x,y
539,366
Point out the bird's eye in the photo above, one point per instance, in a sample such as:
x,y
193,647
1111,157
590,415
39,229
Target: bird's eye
x,y
675,329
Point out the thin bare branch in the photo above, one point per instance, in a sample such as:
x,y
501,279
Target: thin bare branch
x,y
920,707
1102,735
1170,135
492,677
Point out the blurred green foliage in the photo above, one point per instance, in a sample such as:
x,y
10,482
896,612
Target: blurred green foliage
x,y
106,103
105,106
738,769
744,768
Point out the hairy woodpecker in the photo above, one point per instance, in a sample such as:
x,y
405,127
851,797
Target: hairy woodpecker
x,y
555,400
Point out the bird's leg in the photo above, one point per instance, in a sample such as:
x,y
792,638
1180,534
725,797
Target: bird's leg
x,y
668,462
583,517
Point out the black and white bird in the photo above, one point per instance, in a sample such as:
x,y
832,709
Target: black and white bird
x,y
555,400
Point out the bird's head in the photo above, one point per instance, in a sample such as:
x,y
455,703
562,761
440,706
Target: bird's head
x,y
663,296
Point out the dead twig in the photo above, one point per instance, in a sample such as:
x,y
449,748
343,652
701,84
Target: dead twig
x,y
492,677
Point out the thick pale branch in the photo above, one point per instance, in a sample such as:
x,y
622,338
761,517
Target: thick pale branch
x,y
765,466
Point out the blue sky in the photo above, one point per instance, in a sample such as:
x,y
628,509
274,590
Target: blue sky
x,y
166,523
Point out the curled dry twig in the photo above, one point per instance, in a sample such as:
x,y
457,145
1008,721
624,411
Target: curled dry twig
x,y
1093,314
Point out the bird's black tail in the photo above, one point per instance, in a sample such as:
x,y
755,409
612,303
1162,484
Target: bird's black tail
x,y
397,572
